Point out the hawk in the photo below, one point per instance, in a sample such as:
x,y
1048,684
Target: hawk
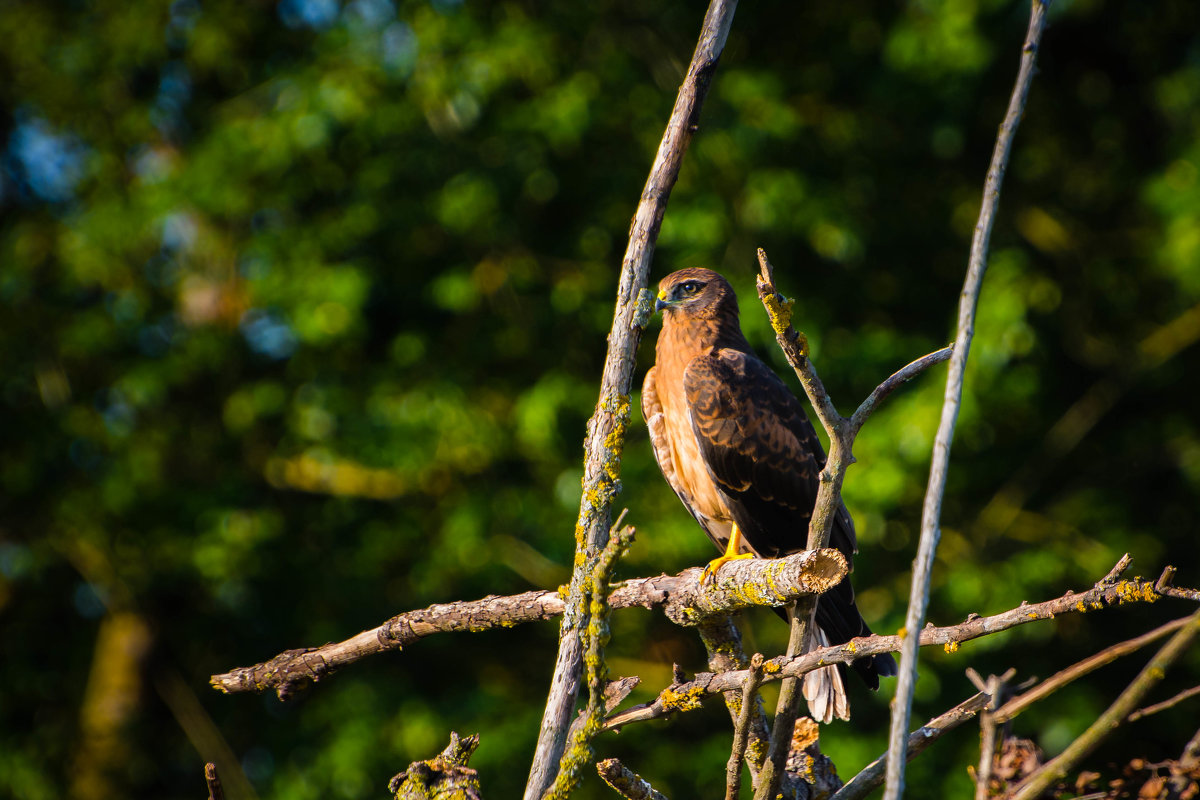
x,y
736,446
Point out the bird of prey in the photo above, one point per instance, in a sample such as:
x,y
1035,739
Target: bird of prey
x,y
736,446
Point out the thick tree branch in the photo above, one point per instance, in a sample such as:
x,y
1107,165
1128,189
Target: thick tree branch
x,y
579,750
689,695
606,430
968,300
684,598
1058,767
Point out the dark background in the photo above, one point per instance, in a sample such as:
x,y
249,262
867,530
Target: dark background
x,y
302,313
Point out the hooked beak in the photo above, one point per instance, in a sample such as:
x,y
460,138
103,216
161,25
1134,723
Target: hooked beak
x,y
661,302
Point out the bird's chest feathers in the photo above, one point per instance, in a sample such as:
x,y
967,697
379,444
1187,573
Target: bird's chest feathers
x,y
689,465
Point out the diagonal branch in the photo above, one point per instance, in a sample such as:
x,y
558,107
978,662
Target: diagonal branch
x,y
932,511
1057,768
1106,656
685,598
606,430
872,775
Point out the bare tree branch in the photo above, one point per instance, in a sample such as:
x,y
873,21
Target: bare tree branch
x,y
626,782
932,511
685,598
1186,694
579,750
1118,569
741,731
1106,656
994,688
1057,768
872,775
685,696
842,432
606,430
894,381
723,641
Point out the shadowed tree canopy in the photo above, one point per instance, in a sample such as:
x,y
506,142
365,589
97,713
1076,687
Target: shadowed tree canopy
x,y
303,312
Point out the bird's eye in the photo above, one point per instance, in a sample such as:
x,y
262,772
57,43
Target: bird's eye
x,y
691,287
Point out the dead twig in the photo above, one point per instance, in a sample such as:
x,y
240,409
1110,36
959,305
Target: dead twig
x,y
723,641
213,781
968,300
872,775
741,731
994,688
1058,767
1186,694
1106,656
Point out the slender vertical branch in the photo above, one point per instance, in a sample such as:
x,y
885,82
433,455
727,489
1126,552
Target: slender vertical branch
x,y
723,641
932,511
607,427
741,731
787,708
580,751
994,687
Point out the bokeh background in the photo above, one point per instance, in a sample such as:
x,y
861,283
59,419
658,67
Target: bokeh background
x,y
303,307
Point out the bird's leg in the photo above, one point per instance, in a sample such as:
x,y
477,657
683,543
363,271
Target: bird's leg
x,y
731,554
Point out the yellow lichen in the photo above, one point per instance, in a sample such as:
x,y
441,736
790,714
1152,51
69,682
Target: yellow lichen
x,y
687,700
950,646
779,311
1135,591
756,752
851,647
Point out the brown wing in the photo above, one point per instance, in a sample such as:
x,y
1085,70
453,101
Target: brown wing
x,y
759,447
764,455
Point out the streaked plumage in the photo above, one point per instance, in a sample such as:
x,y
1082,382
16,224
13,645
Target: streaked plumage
x,y
735,445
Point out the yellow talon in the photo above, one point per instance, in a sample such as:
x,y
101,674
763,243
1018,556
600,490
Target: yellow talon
x,y
731,554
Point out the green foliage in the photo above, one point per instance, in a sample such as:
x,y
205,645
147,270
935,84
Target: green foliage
x,y
304,308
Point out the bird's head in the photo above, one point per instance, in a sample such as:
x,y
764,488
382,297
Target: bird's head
x,y
696,292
